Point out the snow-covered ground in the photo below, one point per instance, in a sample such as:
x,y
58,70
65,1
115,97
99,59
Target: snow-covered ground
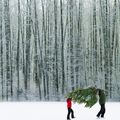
x,y
54,111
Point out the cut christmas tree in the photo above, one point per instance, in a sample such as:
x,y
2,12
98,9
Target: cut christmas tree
x,y
87,96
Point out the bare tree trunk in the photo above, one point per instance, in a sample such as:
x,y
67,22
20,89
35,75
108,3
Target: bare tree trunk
x,y
8,40
18,49
62,47
28,39
44,49
1,50
56,47
95,52
22,30
106,37
36,61
71,45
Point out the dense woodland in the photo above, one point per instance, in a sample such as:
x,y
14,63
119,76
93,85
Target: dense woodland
x,y
51,47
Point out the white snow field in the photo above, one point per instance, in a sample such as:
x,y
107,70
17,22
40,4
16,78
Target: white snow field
x,y
54,111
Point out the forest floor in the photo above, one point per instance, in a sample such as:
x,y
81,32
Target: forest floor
x,y
54,111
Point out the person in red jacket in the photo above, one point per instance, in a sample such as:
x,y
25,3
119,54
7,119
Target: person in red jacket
x,y
70,111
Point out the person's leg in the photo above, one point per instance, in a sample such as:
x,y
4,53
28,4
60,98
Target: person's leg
x,y
103,110
99,113
72,114
68,115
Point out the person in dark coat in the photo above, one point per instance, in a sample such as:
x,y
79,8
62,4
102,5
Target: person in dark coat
x,y
70,110
102,100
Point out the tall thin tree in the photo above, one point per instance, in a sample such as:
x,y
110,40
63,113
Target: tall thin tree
x,y
1,50
8,40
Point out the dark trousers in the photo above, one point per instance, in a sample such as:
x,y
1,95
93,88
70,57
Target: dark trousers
x,y
102,111
70,111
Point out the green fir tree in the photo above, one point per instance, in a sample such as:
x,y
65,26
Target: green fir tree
x,y
87,96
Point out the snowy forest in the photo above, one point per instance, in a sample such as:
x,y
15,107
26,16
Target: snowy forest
x,y
51,47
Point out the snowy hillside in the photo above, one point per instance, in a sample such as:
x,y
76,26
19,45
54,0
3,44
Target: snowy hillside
x,y
54,111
